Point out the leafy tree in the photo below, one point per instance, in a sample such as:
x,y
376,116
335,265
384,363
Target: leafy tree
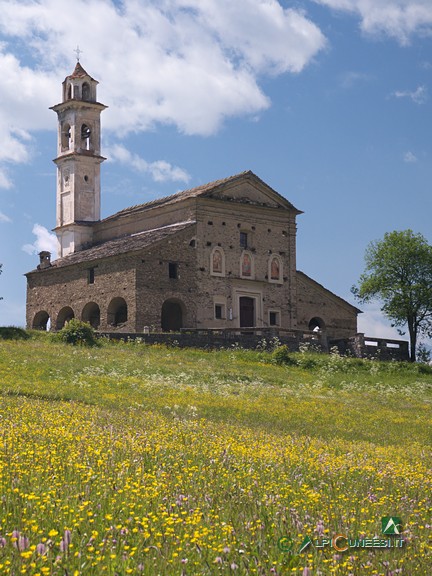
x,y
399,273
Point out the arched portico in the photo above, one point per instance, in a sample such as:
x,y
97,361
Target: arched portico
x,y
64,316
117,311
41,320
91,314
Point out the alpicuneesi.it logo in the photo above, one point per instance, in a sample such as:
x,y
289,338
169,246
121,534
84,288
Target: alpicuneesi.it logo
x,y
390,525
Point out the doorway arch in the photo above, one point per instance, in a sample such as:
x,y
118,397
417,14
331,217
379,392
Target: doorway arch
x,y
172,315
317,325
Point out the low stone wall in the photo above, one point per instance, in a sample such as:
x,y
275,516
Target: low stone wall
x,y
217,339
362,346
359,346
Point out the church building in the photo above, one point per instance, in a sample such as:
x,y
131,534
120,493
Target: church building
x,y
221,255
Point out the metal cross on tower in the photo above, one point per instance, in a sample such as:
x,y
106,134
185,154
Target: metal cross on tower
x,y
78,52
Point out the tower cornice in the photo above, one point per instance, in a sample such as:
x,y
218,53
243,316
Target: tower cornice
x,y
76,155
78,104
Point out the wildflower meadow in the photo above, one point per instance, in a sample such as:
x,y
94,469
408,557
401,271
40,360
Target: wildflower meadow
x,y
146,460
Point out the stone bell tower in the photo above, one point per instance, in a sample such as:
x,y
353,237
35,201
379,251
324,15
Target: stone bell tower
x,y
78,162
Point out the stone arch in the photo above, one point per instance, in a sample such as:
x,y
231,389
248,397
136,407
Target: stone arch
x,y
86,91
117,311
317,324
172,315
69,92
41,320
91,314
64,316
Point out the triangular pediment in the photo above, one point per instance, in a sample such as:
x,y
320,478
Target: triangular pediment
x,y
247,188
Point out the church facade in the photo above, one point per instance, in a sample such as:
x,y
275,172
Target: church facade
x,y
221,255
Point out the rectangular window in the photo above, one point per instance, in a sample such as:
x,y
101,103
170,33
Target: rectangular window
x,y
172,270
274,318
243,239
219,311
90,276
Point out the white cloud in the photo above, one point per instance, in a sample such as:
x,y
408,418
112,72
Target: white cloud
x,y
418,96
186,62
45,241
400,19
410,158
189,63
374,324
5,181
160,170
4,218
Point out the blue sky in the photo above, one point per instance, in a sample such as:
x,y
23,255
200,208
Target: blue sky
x,y
328,101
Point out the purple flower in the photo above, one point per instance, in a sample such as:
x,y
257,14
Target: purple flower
x,y
320,528
40,549
67,537
15,536
2,542
23,543
307,571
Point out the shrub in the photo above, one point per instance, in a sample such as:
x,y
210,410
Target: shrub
x,y
77,332
13,333
281,355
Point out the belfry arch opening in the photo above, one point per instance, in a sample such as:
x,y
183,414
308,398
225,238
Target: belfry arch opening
x,y
117,312
41,320
64,316
85,137
91,314
65,137
317,325
172,315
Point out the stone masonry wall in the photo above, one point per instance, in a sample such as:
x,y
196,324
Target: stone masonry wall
x,y
154,286
54,289
219,225
314,301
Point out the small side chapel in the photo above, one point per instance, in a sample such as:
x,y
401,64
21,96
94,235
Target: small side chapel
x,y
221,255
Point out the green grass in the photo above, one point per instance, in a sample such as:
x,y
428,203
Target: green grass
x,y
248,449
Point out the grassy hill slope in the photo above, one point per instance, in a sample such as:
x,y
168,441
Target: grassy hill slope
x,y
129,459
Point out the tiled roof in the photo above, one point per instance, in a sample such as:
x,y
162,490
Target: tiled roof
x,y
204,190
79,72
130,243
